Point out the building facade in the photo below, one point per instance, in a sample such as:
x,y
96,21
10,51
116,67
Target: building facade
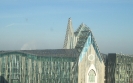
x,y
39,66
119,68
90,63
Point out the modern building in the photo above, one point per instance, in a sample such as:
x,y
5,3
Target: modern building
x,y
80,61
119,68
39,66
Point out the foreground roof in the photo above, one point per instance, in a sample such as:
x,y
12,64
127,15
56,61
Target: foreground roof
x,y
48,52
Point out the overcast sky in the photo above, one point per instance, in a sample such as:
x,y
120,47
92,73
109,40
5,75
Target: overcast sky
x,y
41,24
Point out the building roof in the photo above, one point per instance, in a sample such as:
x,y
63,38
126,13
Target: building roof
x,y
48,52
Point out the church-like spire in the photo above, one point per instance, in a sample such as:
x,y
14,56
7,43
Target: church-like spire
x,y
69,26
68,43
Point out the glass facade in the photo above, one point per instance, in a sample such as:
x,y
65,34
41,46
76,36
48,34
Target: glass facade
x,y
27,67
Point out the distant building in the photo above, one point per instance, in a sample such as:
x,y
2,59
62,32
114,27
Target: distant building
x,y
80,61
119,68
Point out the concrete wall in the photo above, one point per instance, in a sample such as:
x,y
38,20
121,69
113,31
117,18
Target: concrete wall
x,y
90,61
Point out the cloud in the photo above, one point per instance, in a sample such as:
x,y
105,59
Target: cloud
x,y
29,46
10,25
18,24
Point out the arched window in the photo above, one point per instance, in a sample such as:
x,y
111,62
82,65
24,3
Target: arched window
x,y
91,76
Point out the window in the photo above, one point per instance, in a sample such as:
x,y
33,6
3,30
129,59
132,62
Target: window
x,y
91,76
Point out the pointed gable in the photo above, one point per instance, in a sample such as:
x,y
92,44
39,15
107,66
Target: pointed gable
x,y
85,38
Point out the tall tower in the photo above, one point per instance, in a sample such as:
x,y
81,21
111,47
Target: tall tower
x,y
69,38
